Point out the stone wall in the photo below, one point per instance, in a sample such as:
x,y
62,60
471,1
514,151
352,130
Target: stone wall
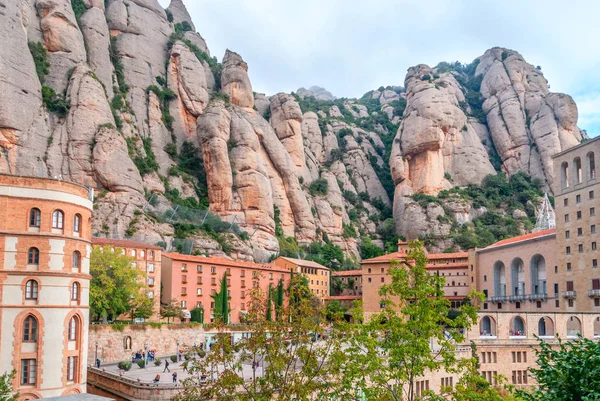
x,y
125,389
113,344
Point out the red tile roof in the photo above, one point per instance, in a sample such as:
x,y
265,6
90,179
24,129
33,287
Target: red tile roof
x,y
525,237
305,263
346,273
122,243
343,297
214,260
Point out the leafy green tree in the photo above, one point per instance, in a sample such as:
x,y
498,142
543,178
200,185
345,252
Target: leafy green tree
x,y
172,310
292,363
334,310
222,302
409,337
6,388
568,371
197,315
269,311
279,299
115,282
142,307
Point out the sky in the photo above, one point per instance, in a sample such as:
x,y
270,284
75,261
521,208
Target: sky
x,y
352,46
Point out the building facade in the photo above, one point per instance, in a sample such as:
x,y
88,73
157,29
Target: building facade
x,y
577,194
147,259
45,246
318,276
191,280
351,282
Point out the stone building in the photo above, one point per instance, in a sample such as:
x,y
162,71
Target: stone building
x,y
45,233
148,260
351,281
317,275
191,280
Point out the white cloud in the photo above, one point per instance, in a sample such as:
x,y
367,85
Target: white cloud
x,y
352,46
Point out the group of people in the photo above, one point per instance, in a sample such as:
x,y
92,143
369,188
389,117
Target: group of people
x,y
136,356
173,375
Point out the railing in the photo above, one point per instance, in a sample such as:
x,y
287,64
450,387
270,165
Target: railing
x,y
516,298
537,297
594,293
569,294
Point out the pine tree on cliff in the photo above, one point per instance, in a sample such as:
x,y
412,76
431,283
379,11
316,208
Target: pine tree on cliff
x,y
222,302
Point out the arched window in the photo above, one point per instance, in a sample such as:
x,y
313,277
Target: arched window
x,y
538,274
517,327
591,166
75,291
487,327
545,327
573,327
499,279
58,218
30,329
73,328
35,217
564,175
578,171
31,289
76,260
517,277
33,256
77,223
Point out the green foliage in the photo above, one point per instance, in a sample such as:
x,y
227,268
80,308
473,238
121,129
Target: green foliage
x,y
399,106
115,59
145,164
221,298
54,102
40,58
165,95
169,15
504,55
369,250
6,388
319,187
114,284
183,26
141,363
78,8
220,96
567,372
215,67
169,311
197,315
125,365
426,77
348,231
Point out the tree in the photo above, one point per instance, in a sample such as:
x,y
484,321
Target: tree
x,y
171,310
334,310
568,371
293,364
410,336
222,302
142,307
269,311
6,387
115,282
197,314
279,299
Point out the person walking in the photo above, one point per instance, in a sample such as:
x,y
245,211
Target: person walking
x,y
166,366
174,377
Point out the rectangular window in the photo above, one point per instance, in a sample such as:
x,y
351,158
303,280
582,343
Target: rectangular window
x,y
151,281
184,279
579,232
183,304
151,294
578,199
569,265
568,250
593,246
596,284
570,286
150,267
485,279
555,288
567,234
183,291
213,270
594,262
592,211
571,303
184,267
566,218
28,371
566,201
593,229
596,301
198,291
243,283
213,281
579,215
580,248
556,303
591,194
71,367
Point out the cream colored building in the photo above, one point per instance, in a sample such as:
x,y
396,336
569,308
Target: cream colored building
x,y
318,276
45,232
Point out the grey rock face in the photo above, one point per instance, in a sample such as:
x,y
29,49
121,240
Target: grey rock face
x,y
97,39
317,92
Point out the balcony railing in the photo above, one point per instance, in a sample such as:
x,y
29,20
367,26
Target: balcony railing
x,y
569,294
594,293
516,298
537,297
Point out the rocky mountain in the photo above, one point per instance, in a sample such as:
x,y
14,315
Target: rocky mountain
x,y
124,96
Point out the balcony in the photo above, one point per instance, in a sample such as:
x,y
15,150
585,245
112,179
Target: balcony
x,y
594,293
569,294
537,297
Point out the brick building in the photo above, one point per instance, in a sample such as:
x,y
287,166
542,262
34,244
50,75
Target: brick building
x,y
351,281
191,280
316,274
148,260
45,232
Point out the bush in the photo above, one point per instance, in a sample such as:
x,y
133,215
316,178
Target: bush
x,y
319,187
55,103
426,77
141,363
183,26
125,365
78,8
173,358
169,15
115,59
40,58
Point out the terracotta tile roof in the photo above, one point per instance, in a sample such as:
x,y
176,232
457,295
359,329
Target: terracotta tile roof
x,y
214,260
345,273
343,297
305,263
122,243
431,256
512,240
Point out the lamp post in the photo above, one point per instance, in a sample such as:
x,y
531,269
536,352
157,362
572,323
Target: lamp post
x,y
177,350
145,355
96,360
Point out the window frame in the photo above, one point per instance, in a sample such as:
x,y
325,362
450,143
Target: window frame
x,y
58,220
33,256
32,290
35,216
